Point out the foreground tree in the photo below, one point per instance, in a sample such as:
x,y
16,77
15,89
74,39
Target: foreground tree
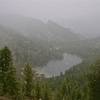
x,y
8,78
37,92
94,82
46,92
28,80
70,90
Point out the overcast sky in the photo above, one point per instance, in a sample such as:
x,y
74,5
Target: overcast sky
x,y
84,13
51,8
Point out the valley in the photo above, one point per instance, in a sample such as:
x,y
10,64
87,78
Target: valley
x,y
47,58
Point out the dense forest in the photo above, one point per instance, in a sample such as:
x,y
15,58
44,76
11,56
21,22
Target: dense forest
x,y
30,85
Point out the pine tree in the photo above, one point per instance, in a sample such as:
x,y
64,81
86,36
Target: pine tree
x,y
28,80
94,82
46,93
37,91
70,90
7,73
13,85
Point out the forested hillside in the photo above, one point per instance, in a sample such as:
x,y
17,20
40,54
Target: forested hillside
x,y
32,40
32,86
49,49
36,52
25,52
35,28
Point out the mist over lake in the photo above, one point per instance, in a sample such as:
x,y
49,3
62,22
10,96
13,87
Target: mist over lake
x,y
56,67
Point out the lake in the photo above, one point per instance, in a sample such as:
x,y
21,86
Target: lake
x,y
55,67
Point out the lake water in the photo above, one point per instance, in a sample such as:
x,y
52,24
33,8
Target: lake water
x,y
55,67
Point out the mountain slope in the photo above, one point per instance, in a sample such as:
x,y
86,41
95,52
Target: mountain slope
x,y
26,50
35,28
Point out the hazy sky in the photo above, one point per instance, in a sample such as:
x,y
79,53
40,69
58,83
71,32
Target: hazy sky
x,y
83,15
51,8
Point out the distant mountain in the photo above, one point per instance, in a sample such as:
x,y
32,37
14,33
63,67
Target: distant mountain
x,y
88,27
25,50
46,34
61,33
32,40
35,42
84,48
35,28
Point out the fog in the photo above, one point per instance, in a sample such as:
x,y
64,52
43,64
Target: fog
x,y
83,16
56,67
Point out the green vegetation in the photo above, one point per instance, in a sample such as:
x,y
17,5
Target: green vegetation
x,y
34,43
32,86
34,51
8,80
94,82
28,80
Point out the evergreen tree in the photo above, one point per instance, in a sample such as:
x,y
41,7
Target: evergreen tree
x,y
28,80
8,78
70,90
94,82
38,91
46,93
